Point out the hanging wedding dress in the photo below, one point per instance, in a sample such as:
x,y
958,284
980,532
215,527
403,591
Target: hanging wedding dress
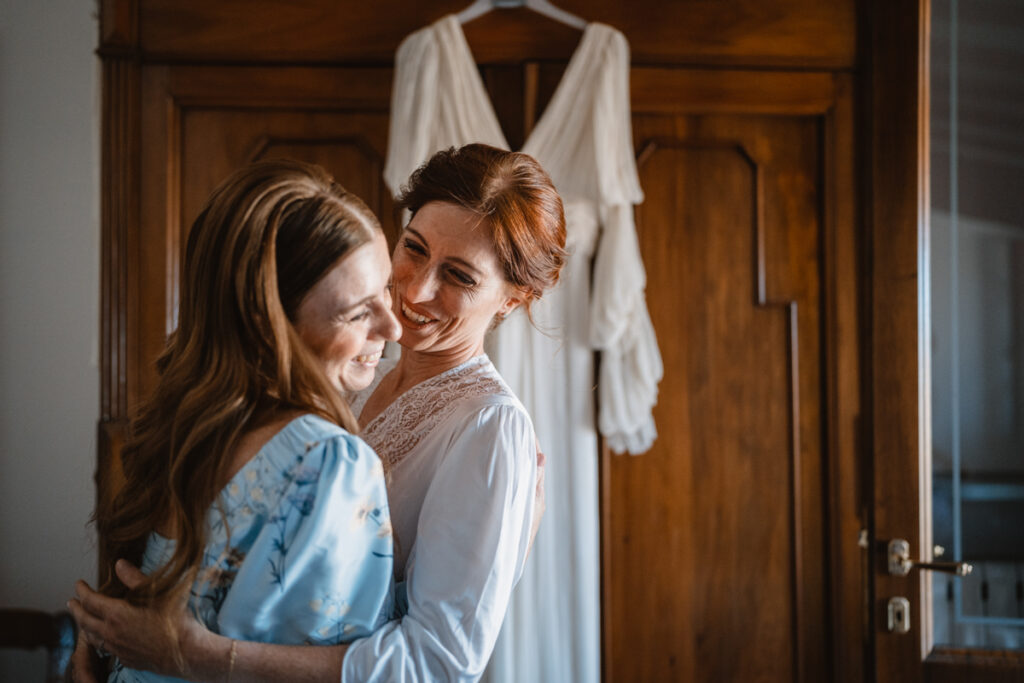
x,y
583,140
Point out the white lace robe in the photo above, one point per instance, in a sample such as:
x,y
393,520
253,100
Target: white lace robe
x,y
584,141
461,454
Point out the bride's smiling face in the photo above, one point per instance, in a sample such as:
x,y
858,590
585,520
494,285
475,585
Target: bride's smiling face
x,y
448,284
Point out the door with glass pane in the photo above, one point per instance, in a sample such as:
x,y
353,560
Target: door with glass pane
x,y
947,329
977,319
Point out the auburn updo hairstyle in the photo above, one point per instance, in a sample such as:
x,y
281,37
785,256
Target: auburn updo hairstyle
x,y
517,199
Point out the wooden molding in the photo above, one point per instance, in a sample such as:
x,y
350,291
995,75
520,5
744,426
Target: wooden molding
x,y
108,477
897,201
784,33
727,91
119,216
119,28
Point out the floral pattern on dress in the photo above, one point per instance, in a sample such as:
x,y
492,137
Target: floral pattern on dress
x,y
299,545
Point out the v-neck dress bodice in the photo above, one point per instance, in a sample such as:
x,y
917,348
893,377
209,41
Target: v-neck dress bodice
x,y
439,100
584,141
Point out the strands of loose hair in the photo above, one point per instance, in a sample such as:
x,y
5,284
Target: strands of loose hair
x,y
233,363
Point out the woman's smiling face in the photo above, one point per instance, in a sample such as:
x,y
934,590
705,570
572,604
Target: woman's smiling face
x,y
448,282
346,317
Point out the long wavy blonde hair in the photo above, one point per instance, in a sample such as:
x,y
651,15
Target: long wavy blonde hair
x,y
266,236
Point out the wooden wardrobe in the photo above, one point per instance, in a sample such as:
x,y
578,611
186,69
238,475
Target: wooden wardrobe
x,y
729,552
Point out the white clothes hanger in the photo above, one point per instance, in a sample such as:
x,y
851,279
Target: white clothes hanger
x,y
481,7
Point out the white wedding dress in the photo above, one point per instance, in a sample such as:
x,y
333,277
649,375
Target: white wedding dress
x,y
584,141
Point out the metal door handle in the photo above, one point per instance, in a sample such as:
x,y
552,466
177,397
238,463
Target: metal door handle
x,y
900,563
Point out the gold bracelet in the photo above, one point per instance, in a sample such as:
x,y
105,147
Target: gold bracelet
x,y
231,661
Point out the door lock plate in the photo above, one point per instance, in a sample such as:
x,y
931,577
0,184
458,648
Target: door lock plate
x,y
899,615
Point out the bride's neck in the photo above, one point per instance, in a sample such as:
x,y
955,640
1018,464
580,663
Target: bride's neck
x,y
414,367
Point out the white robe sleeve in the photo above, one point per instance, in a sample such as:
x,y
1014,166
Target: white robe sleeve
x,y
470,548
620,326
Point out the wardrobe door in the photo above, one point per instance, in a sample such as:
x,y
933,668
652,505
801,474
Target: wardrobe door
x,y
718,547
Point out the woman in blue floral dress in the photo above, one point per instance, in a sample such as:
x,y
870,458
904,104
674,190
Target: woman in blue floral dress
x,y
243,460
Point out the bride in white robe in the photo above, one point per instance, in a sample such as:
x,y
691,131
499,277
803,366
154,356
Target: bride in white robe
x,y
584,141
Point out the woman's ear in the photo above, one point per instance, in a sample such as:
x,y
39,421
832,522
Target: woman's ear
x,y
511,304
517,297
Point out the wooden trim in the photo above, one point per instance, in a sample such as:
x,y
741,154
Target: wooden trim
x,y
897,223
283,87
119,215
954,665
119,28
789,33
846,513
108,476
731,91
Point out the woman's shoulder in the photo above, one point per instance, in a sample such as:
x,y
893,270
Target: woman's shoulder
x,y
480,385
482,398
310,435
308,457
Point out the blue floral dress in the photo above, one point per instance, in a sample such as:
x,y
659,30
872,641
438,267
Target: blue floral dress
x,y
299,549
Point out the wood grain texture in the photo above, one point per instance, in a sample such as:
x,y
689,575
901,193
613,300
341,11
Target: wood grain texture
x,y
718,530
787,33
119,27
848,490
951,665
109,475
119,210
897,202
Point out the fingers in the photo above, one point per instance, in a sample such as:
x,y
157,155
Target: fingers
x,y
87,597
90,628
129,574
97,604
82,661
541,459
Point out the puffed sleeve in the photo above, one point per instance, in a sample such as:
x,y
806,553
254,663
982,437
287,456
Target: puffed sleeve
x,y
470,548
620,326
621,329
320,569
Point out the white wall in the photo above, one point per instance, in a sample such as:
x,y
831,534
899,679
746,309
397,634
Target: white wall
x,y
49,298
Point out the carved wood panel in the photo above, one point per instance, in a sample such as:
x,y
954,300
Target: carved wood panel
x,y
715,543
